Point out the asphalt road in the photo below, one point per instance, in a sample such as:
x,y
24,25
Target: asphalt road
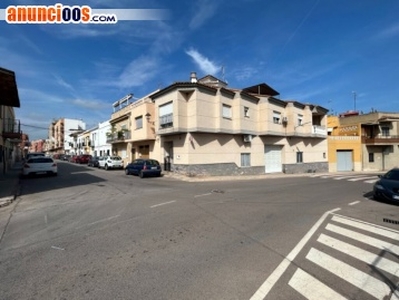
x,y
96,234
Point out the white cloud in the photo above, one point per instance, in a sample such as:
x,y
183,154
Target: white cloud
x,y
205,9
140,71
391,31
203,63
245,73
90,104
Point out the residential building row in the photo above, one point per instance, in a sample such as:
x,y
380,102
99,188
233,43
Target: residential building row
x,y
10,127
204,127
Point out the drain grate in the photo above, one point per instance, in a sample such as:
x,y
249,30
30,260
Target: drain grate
x,y
390,221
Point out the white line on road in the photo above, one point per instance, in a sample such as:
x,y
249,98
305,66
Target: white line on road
x,y
57,248
202,195
311,288
387,232
361,178
353,203
372,181
379,244
369,258
156,205
265,288
361,280
99,221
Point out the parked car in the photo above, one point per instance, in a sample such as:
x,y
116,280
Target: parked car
x,y
144,167
65,157
387,187
40,165
73,158
110,162
83,158
93,161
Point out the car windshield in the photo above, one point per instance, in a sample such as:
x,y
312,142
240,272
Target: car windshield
x,y
153,163
116,158
392,175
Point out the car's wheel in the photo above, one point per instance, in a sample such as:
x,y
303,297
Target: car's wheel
x,y
127,172
106,167
141,174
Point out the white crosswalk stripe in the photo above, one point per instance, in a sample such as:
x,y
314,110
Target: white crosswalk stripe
x,y
348,177
353,231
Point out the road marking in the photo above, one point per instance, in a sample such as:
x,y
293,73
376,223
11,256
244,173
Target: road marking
x,y
265,288
379,244
344,177
361,280
361,178
202,195
372,181
57,248
311,288
156,205
370,258
353,203
386,232
99,221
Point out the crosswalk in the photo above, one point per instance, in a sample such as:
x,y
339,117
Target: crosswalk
x,y
362,257
367,178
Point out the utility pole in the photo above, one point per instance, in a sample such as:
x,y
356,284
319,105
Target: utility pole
x,y
354,99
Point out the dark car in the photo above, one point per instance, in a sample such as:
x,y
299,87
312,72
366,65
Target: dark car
x,y
93,161
144,167
387,187
83,158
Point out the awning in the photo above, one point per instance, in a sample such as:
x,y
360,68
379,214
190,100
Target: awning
x,y
8,89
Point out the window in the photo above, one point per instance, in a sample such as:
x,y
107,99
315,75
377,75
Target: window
x,y
299,157
246,112
371,157
245,159
226,111
166,115
276,117
300,120
385,131
139,122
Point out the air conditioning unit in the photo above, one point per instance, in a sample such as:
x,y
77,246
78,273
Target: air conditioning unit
x,y
247,138
284,120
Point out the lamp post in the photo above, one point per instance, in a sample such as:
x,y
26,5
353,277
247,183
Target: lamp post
x,y
354,100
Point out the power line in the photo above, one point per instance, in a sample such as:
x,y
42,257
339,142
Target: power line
x,y
32,126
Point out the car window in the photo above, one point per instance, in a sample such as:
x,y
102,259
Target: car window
x,y
152,163
392,175
40,160
116,158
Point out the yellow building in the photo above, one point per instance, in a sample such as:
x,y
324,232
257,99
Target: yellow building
x,y
363,142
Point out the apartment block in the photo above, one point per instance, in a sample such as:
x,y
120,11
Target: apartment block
x,y
61,136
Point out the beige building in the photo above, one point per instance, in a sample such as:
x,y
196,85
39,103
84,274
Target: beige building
x,y
10,127
204,127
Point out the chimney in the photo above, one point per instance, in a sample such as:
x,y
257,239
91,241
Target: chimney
x,y
193,77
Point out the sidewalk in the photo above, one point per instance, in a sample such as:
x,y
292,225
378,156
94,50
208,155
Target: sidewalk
x,y
9,184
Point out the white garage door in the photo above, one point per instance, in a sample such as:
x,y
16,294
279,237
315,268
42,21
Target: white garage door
x,y
273,159
344,160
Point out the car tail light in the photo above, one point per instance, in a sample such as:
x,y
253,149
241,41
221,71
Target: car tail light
x,y
144,167
54,165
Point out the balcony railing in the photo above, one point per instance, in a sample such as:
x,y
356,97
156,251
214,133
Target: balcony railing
x,y
381,139
319,130
119,136
11,129
166,121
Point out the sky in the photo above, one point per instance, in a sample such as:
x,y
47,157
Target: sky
x,y
339,54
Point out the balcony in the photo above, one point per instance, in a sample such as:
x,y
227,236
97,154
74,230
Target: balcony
x,y
118,137
166,121
319,130
380,140
11,129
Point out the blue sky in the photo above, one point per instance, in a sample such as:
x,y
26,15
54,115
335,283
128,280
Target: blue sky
x,y
316,51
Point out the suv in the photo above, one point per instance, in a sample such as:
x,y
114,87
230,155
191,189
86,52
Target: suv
x,y
144,167
110,162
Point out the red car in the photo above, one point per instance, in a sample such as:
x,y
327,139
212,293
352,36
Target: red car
x,y
73,158
83,158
